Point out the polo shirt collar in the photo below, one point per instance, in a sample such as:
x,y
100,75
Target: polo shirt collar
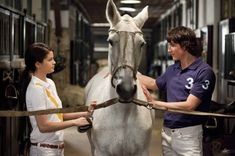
x,y
40,82
193,66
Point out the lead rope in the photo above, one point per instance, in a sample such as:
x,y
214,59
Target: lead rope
x,y
150,106
10,113
110,102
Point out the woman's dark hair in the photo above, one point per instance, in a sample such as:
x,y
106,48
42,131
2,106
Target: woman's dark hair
x,y
36,52
186,38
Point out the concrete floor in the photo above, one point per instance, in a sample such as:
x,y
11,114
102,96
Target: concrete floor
x,y
77,144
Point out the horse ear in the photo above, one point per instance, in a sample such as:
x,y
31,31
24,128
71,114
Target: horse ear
x,y
141,17
112,14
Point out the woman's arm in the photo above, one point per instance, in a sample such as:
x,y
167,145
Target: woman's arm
x,y
46,126
69,116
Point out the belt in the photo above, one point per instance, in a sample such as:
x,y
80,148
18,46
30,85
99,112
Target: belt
x,y
61,146
185,130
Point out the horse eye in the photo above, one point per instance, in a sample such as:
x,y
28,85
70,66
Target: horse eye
x,y
110,42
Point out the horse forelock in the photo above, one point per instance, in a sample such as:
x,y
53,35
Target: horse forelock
x,y
126,17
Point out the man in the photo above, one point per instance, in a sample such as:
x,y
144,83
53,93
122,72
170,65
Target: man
x,y
189,84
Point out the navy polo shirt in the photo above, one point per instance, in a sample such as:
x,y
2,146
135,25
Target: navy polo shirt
x,y
198,79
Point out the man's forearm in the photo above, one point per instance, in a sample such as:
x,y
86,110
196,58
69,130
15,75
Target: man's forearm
x,y
148,82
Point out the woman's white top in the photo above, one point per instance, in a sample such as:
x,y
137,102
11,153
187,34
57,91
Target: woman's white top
x,y
41,95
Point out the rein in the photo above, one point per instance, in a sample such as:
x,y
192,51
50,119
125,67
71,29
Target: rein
x,y
10,113
198,113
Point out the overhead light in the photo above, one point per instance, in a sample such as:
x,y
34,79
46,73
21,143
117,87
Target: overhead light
x,y
130,1
128,9
100,24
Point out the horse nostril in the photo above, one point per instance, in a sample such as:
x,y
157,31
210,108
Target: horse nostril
x,y
134,90
119,89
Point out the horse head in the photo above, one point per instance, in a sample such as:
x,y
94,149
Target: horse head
x,y
126,44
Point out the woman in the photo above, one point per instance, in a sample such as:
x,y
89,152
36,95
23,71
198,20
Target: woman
x,y
47,130
189,84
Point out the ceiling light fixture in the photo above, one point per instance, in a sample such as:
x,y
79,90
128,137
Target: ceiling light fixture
x,y
130,1
128,9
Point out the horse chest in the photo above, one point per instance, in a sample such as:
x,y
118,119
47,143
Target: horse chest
x,y
118,128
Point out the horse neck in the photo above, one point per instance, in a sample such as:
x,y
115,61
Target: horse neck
x,y
139,93
109,63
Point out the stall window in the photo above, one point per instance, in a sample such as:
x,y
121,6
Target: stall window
x,y
30,27
227,9
40,33
44,10
16,37
4,32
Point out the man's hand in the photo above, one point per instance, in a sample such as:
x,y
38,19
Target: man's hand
x,y
147,93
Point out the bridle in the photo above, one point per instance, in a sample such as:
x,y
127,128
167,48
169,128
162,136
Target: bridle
x,y
123,65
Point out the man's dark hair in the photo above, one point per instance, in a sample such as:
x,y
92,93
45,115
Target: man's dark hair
x,y
186,38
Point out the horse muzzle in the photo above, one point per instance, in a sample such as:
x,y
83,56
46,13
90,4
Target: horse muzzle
x,y
124,81
126,92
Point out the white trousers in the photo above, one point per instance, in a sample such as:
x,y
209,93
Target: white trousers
x,y
42,151
182,141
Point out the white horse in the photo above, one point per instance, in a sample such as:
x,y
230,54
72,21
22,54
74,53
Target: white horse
x,y
122,129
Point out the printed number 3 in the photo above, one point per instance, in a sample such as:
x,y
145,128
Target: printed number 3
x,y
206,85
190,83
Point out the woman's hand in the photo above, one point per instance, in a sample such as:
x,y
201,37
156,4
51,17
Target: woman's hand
x,y
88,113
82,121
91,108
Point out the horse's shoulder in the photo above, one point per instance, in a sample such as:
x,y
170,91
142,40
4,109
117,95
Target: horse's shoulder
x,y
140,92
97,85
96,78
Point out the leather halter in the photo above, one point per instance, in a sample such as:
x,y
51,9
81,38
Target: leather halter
x,y
123,65
118,31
